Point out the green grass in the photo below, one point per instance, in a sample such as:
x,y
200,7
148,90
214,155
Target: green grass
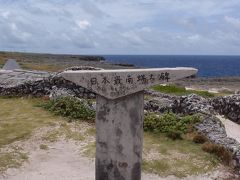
x,y
181,91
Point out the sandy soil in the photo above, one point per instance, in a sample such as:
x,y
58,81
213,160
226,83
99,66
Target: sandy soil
x,y
63,161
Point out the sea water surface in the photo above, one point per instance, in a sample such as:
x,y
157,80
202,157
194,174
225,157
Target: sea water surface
x,y
208,66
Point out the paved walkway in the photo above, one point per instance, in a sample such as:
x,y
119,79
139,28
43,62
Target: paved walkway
x,y
232,129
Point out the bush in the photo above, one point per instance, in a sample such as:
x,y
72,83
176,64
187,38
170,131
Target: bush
x,y
169,123
69,107
174,135
219,151
199,138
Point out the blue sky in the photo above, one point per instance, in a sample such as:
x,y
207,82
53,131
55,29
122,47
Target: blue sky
x,y
121,26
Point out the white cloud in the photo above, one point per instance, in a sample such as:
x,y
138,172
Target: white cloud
x,y
5,14
83,24
120,26
195,37
234,21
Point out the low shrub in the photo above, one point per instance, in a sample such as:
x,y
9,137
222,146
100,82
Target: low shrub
x,y
219,151
169,123
69,107
199,138
174,135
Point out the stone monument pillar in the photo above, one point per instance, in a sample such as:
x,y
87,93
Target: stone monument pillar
x,y
119,120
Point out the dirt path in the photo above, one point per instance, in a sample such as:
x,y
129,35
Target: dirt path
x,y
232,129
63,161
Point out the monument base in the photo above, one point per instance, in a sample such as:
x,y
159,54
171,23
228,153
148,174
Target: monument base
x,y
119,124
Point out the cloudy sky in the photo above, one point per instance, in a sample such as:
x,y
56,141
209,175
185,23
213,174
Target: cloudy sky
x,y
121,26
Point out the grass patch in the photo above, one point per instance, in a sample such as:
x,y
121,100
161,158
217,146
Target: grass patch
x,y
224,155
91,131
11,160
181,91
18,119
165,157
90,150
43,147
2,62
180,157
65,131
42,67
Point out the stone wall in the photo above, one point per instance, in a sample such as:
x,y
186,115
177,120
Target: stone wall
x,y
37,84
210,126
228,106
46,86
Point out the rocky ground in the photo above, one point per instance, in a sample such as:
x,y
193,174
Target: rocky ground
x,y
56,62
220,84
42,83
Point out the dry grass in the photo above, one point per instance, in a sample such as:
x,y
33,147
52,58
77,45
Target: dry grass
x,y
43,147
19,118
12,159
42,67
165,157
219,151
65,131
181,158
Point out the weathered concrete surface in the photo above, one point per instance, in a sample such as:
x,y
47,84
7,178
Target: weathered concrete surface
x,y
119,137
113,84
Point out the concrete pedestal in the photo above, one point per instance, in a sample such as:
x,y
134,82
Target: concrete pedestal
x,y
119,138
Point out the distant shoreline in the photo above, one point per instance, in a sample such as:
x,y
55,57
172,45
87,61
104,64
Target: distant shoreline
x,y
57,62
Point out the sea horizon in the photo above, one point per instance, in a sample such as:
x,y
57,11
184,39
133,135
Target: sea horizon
x,y
208,65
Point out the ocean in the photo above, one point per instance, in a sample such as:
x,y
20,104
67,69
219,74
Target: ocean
x,y
208,66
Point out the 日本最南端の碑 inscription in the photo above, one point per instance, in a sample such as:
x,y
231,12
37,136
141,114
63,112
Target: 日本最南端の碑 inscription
x,y
141,79
117,83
